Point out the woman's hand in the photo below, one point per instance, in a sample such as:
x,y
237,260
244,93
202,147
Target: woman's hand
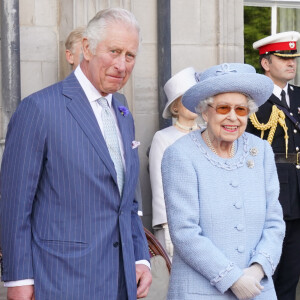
x,y
256,271
168,242
246,287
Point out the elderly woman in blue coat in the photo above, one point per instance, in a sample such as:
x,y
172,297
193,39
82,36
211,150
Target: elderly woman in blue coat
x,y
221,191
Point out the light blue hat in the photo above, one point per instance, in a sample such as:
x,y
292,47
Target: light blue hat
x,y
229,77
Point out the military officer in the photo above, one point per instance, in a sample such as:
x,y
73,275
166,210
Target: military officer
x,y
278,121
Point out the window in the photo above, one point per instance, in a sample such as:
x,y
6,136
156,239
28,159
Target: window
x,y
265,17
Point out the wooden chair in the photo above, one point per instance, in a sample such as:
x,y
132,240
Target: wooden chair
x,y
160,268
155,248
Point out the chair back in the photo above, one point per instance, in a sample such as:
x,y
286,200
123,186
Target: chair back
x,y
160,269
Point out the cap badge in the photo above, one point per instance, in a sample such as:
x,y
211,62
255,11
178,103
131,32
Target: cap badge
x,y
292,45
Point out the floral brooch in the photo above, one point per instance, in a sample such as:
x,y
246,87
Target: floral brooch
x,y
253,151
123,110
250,164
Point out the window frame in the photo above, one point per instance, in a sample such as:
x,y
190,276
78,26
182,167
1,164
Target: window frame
x,y
274,4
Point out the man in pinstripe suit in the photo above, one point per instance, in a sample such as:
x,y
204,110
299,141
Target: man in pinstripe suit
x,y
73,56
68,230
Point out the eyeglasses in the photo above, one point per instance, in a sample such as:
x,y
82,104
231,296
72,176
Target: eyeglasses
x,y
224,109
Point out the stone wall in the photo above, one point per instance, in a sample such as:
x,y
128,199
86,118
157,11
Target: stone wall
x,y
203,33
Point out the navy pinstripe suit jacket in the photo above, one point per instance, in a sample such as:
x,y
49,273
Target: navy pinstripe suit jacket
x,y
62,219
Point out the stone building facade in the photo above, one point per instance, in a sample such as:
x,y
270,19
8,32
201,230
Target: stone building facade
x,y
203,33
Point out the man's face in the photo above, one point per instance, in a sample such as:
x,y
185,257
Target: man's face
x,y
110,67
280,70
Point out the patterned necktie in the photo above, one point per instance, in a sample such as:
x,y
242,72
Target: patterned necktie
x,y
283,99
111,138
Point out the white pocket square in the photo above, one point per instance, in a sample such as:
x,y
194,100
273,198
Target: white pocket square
x,y
135,144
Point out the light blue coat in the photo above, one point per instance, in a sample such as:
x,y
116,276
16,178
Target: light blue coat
x,y
223,216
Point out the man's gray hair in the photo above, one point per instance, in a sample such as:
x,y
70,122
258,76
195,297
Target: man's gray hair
x,y
96,28
202,107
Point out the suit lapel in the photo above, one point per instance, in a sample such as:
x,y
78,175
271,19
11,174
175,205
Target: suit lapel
x,y
292,96
293,99
82,112
275,100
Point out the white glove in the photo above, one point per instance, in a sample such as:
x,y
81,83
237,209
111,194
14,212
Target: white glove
x,y
168,242
246,287
256,271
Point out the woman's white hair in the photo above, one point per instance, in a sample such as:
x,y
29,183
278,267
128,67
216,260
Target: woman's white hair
x,y
203,105
96,29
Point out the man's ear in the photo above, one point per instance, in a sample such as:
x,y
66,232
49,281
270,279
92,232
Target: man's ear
x,y
69,57
265,64
87,54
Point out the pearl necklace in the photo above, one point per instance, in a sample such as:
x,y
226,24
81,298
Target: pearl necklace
x,y
212,148
194,127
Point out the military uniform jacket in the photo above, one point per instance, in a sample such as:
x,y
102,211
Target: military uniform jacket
x,y
289,175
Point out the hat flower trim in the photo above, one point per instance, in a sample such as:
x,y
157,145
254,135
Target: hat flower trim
x,y
123,110
225,69
197,76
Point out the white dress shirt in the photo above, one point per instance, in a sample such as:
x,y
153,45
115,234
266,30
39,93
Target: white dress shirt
x,y
277,92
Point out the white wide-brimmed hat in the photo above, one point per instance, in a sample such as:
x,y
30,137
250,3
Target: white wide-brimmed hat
x,y
282,44
176,86
229,77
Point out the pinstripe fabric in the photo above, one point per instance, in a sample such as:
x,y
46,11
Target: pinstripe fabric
x,y
138,194
61,212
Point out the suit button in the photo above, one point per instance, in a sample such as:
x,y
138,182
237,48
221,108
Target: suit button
x,y
295,130
297,148
291,113
116,244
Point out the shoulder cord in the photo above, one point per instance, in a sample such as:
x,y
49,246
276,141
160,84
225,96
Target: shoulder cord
x,y
277,116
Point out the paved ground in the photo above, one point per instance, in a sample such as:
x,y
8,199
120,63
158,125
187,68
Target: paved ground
x,y
3,292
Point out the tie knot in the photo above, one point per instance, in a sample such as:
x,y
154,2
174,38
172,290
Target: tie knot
x,y
103,102
282,93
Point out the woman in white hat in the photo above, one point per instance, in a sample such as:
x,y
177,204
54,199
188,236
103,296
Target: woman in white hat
x,y
221,191
185,122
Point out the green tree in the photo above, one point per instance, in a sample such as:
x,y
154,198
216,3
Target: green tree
x,y
257,25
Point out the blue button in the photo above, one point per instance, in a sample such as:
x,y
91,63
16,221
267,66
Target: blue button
x,y
241,249
238,204
234,183
239,227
